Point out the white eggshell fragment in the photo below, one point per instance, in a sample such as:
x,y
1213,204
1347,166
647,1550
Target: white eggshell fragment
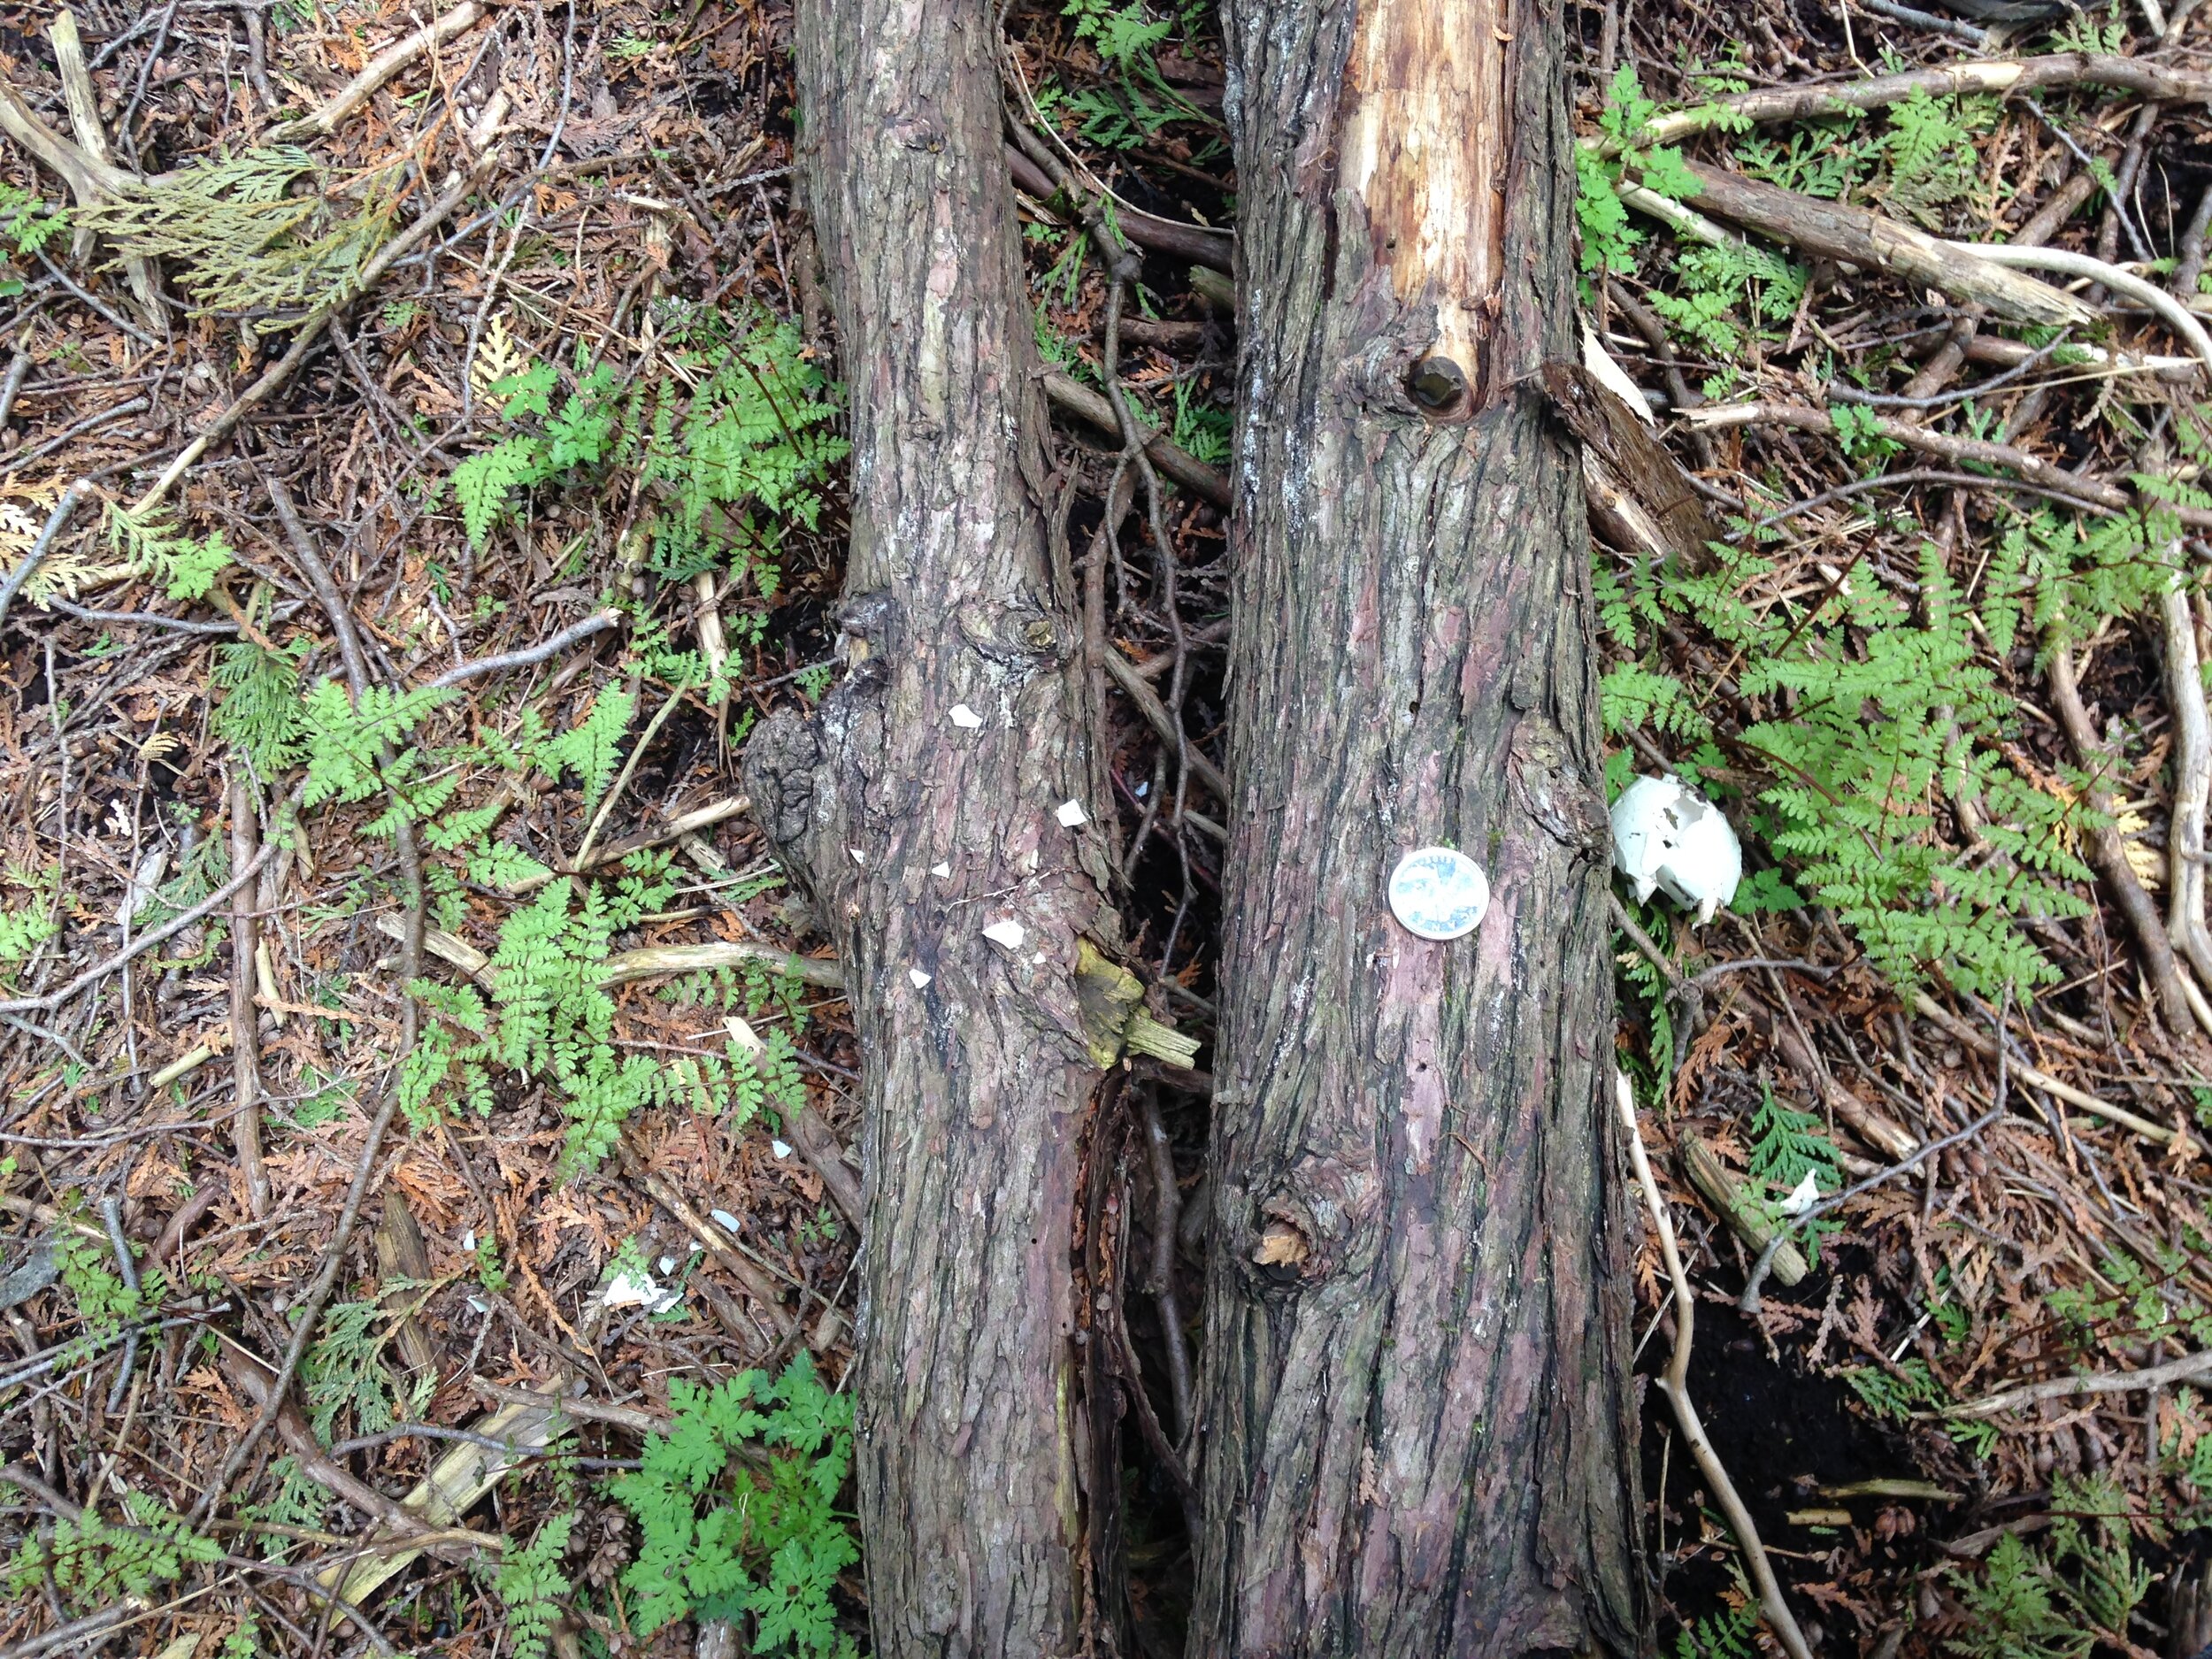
x,y
1668,837
967,718
1071,815
920,980
1009,933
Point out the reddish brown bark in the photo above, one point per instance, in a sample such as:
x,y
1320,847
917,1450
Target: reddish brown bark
x,y
1419,1426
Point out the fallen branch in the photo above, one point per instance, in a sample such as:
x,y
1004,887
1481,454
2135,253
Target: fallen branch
x,y
381,68
1675,1385
83,102
1148,704
2077,487
2188,1368
576,632
1077,399
1210,247
1853,235
2014,75
658,962
2112,276
2192,783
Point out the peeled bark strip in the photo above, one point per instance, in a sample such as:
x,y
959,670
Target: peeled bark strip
x,y
913,832
1419,1433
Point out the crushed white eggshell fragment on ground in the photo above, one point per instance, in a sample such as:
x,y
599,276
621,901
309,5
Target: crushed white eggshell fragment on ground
x,y
630,1288
859,857
1009,933
921,979
724,1220
943,872
967,718
1071,815
781,1148
1668,837
1803,1197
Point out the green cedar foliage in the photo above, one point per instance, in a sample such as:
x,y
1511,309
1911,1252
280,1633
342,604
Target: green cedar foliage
x,y
154,545
735,1506
260,710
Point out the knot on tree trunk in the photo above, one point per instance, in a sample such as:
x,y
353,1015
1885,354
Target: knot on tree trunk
x,y
781,766
1317,1221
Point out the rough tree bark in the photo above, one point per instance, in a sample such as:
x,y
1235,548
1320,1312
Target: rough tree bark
x,y
916,807
1419,1427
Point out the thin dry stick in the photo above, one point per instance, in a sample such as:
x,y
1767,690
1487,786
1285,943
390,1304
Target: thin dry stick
x,y
576,632
2193,784
244,1024
55,521
622,780
2182,1011
1167,1210
140,945
380,69
1675,1385
2188,1368
310,1311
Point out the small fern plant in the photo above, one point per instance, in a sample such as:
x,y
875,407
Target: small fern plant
x,y
1873,716
732,440
532,1587
736,1507
92,1562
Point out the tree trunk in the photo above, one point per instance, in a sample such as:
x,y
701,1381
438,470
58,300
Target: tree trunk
x,y
916,807
1420,1432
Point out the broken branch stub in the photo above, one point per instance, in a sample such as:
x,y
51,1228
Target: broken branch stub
x,y
1422,156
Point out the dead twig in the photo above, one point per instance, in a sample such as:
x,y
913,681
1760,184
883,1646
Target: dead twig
x,y
1675,1385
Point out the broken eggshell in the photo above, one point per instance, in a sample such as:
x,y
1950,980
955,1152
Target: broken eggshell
x,y
1668,837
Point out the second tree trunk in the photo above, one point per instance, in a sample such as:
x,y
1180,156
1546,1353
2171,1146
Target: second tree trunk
x,y
1420,1429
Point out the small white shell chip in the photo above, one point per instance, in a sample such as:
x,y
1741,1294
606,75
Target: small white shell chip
x,y
920,980
1438,893
943,872
1668,837
1071,815
781,1148
1007,933
967,718
725,1221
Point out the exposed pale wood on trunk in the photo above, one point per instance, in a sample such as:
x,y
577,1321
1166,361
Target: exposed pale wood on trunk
x,y
1417,1428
